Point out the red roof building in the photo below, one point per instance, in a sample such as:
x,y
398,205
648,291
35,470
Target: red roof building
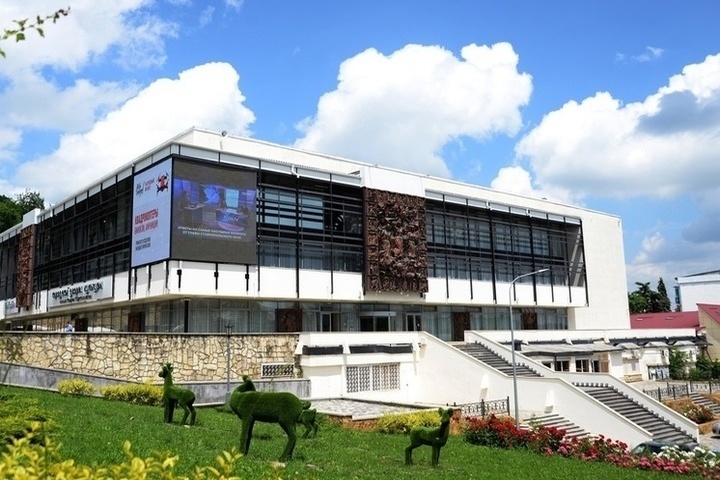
x,y
667,320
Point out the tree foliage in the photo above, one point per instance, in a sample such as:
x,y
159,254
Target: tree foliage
x,y
12,211
646,300
22,26
676,361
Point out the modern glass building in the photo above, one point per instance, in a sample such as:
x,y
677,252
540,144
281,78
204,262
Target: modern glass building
x,y
210,233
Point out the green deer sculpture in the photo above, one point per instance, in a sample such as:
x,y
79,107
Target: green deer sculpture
x,y
434,437
172,396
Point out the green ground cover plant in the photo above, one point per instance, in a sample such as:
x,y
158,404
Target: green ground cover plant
x,y
76,387
92,431
138,393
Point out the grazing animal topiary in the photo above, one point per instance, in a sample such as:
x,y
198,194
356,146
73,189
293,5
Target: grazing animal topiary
x,y
434,437
283,408
173,395
308,417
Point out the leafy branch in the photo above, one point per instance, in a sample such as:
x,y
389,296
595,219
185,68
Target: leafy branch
x,y
25,25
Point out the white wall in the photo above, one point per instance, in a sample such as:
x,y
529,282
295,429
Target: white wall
x,y
437,373
699,289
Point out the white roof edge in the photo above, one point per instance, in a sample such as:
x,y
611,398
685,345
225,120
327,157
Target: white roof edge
x,y
191,137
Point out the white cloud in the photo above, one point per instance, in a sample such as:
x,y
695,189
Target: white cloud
x,y
661,147
518,180
650,53
144,43
31,101
206,15
34,90
400,110
234,4
90,30
204,96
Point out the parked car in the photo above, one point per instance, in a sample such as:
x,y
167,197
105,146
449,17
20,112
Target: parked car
x,y
656,446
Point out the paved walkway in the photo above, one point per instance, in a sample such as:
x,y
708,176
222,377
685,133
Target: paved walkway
x,y
359,410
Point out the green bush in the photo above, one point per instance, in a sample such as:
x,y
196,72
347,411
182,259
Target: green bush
x,y
698,413
28,459
139,394
76,387
17,412
404,422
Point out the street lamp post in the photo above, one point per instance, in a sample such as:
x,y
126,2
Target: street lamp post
x,y
228,354
512,340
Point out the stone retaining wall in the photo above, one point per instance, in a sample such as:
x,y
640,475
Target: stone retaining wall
x,y
138,357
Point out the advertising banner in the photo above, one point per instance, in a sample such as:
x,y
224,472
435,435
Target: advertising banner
x,y
151,215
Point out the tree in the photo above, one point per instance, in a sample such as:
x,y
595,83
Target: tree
x,y
25,25
29,200
12,211
663,299
646,300
637,303
9,213
676,361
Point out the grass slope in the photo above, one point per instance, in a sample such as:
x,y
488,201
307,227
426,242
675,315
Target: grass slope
x,y
92,432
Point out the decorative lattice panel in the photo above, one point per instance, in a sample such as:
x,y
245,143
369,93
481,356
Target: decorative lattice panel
x,y
386,376
358,378
365,378
272,370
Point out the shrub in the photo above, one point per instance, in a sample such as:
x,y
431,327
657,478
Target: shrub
x,y
404,422
17,413
29,460
139,393
76,387
493,431
698,413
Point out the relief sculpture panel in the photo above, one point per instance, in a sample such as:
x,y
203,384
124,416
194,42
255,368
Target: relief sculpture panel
x,y
26,254
395,243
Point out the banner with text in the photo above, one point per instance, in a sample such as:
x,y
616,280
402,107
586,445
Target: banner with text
x,y
151,215
80,293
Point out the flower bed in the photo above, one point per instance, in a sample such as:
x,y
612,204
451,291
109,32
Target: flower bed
x,y
501,432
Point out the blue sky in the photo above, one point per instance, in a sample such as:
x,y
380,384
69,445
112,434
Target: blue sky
x,y
613,105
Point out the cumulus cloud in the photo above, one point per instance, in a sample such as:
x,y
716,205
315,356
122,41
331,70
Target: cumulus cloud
x,y
602,147
31,101
517,180
40,88
90,30
399,110
648,55
205,96
660,257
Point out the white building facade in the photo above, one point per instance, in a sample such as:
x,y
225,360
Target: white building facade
x,y
697,288
207,233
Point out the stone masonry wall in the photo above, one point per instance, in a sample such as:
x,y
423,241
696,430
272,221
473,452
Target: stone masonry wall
x,y
139,357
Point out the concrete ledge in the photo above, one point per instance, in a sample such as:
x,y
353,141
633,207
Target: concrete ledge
x,y
207,393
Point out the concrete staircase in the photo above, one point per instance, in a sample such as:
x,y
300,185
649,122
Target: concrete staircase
x,y
555,420
699,399
660,428
490,358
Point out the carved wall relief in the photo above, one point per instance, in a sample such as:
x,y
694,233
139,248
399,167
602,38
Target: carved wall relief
x,y
26,256
395,242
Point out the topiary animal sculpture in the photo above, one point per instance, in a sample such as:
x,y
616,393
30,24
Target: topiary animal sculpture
x,y
283,408
434,437
173,395
308,417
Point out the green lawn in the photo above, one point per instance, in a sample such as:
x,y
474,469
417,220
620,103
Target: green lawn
x,y
92,431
